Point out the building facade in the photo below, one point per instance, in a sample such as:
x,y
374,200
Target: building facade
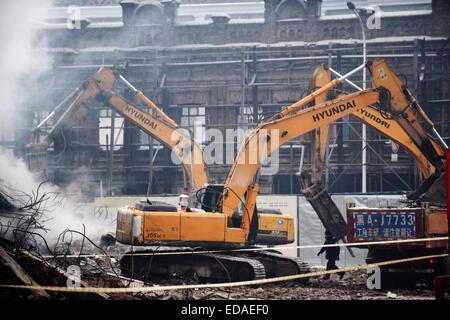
x,y
228,71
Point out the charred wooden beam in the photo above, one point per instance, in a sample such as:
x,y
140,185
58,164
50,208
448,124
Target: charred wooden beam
x,y
17,275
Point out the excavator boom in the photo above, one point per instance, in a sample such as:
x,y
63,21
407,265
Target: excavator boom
x,y
407,112
383,122
279,131
162,128
178,141
319,79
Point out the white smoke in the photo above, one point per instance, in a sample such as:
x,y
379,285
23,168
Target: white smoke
x,y
60,212
21,56
23,60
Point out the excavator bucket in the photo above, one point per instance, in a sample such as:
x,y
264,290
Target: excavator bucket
x,y
422,188
432,190
436,192
326,209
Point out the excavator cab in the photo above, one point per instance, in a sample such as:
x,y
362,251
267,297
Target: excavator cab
x,y
206,198
268,227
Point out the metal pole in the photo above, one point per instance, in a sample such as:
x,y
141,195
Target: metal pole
x,y
255,90
298,225
111,151
441,140
243,81
364,127
352,7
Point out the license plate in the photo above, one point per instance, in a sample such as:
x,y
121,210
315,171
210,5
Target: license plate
x,y
384,225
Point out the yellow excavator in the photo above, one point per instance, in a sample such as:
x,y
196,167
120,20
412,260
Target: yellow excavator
x,y
430,218
274,227
223,216
383,122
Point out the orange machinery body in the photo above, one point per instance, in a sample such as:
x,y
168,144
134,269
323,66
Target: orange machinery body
x,y
136,227
275,229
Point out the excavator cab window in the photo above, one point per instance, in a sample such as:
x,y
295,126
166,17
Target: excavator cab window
x,y
155,206
207,198
236,219
269,211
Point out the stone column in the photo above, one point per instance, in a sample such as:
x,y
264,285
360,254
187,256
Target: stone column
x,y
270,20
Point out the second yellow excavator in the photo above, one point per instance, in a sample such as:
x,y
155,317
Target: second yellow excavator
x,y
384,123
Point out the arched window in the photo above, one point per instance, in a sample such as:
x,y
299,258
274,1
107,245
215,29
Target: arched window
x,y
291,9
149,13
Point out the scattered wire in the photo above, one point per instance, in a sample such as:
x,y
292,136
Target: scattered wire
x,y
26,218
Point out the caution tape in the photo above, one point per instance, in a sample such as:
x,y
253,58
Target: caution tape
x,y
222,285
312,246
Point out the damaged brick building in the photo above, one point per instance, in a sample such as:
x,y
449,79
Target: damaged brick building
x,y
210,67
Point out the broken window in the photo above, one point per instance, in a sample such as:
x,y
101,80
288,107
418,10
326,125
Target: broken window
x,y
104,131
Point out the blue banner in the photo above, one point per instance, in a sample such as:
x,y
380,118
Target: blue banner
x,y
384,225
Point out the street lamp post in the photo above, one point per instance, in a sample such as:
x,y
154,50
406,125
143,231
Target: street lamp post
x,y
352,7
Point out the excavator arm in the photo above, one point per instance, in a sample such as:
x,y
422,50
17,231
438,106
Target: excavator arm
x,y
411,117
392,129
268,136
320,135
178,141
380,121
161,127
315,193
407,112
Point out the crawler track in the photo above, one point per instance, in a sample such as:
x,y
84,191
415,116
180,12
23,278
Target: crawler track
x,y
223,267
278,265
205,266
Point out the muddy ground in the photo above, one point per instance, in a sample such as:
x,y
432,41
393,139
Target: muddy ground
x,y
351,287
100,271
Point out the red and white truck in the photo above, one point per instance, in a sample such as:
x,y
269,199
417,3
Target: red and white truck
x,y
381,224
